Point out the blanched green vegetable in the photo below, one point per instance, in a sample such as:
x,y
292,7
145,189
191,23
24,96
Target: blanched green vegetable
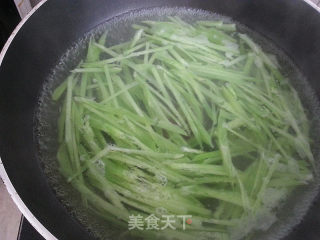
x,y
184,119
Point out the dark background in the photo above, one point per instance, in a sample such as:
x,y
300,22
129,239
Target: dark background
x,y
9,18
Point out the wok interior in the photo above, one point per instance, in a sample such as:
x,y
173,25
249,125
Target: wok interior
x,y
119,30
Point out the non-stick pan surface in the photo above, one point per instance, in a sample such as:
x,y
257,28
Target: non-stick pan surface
x,y
292,24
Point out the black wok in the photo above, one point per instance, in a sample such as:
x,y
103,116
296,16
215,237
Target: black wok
x,y
292,25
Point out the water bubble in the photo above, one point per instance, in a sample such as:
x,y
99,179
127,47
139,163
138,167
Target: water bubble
x,y
161,211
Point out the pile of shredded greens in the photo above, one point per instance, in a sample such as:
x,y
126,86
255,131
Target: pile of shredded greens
x,y
183,120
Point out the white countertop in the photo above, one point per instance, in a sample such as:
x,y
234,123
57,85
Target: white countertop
x,y
10,216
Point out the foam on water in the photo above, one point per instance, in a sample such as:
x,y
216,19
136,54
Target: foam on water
x,y
119,30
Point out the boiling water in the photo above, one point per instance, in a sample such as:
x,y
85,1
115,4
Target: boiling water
x,y
119,30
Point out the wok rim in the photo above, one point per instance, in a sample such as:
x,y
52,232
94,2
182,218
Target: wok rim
x,y
3,174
